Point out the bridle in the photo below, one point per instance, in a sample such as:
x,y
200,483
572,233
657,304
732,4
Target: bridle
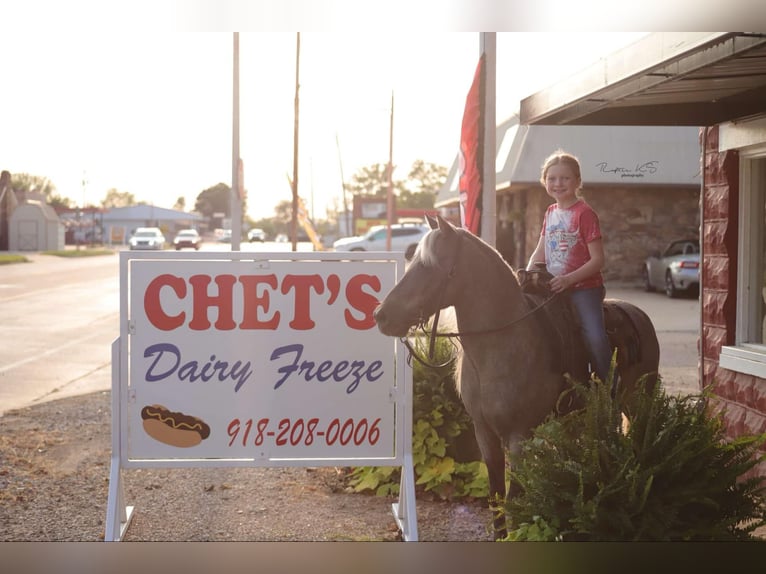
x,y
457,334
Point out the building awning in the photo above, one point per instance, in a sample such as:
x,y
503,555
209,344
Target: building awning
x,y
678,78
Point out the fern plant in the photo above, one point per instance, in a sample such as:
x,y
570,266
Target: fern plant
x,y
672,476
443,464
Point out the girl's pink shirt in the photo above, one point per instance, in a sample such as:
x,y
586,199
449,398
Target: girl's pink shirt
x,y
566,233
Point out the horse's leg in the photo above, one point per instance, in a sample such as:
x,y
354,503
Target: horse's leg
x,y
494,457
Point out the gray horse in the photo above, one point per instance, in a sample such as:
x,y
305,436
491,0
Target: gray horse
x,y
510,373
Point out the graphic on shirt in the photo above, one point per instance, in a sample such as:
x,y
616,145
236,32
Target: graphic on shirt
x,y
560,238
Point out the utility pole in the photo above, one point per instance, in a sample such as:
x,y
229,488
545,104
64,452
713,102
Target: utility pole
x,y
294,222
347,225
390,195
236,172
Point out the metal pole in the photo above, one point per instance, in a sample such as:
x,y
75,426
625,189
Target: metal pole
x,y
390,198
294,222
488,45
235,201
346,226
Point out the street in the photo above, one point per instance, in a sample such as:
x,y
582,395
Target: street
x,y
59,317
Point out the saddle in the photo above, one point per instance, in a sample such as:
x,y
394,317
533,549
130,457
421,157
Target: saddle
x,y
561,325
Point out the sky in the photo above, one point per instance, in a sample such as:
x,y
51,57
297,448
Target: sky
x,y
150,112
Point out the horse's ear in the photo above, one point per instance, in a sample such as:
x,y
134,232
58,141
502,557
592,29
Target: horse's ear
x,y
432,223
444,225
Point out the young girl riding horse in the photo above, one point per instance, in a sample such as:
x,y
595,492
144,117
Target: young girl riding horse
x,y
572,250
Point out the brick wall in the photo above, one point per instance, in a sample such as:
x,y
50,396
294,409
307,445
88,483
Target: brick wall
x,y
740,398
634,220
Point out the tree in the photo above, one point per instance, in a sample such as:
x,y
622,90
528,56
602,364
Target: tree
x,y
27,183
216,199
426,177
180,204
116,198
418,190
283,211
32,184
372,181
58,202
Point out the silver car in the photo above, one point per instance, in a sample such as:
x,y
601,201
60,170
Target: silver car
x,y
676,270
404,237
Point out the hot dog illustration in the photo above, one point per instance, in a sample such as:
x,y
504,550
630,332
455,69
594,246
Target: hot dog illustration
x,y
173,428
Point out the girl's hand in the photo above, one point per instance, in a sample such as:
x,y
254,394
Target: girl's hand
x,y
560,283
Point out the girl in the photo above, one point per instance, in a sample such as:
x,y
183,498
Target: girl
x,y
571,248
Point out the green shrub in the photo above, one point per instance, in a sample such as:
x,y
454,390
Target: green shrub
x,y
672,476
445,457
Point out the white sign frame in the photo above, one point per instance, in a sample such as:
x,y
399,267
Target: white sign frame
x,y
147,371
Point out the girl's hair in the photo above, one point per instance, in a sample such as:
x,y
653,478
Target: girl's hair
x,y
560,156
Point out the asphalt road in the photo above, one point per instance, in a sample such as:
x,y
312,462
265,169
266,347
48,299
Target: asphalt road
x,y
59,317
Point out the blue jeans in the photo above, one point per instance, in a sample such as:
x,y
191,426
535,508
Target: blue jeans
x,y
588,304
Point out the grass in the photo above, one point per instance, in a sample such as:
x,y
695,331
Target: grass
x,y
8,258
85,252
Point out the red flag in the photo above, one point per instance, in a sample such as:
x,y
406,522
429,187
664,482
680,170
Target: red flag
x,y
472,153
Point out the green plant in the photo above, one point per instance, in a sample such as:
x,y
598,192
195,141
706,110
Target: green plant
x,y
671,476
444,452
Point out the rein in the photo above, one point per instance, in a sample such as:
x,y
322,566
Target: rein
x,y
458,334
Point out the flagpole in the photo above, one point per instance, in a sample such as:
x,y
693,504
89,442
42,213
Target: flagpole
x,y
488,47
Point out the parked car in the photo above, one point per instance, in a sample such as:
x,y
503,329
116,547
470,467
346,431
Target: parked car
x,y
147,238
256,234
676,269
225,236
301,236
404,237
187,238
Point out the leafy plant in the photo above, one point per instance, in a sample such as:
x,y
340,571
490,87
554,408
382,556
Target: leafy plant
x,y
444,452
671,476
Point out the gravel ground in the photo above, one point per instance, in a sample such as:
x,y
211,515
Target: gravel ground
x,y
54,479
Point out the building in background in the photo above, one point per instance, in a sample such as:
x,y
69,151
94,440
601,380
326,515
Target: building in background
x,y
119,223
643,181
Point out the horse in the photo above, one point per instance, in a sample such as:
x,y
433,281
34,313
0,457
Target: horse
x,y
509,375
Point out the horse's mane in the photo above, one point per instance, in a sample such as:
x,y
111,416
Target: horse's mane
x,y
492,252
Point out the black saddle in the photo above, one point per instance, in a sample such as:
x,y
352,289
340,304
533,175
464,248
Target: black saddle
x,y
562,326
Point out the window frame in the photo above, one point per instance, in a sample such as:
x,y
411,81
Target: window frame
x,y
747,355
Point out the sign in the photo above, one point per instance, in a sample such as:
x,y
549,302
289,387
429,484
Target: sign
x,y
117,235
275,360
226,360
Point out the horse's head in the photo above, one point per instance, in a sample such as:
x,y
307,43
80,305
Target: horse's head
x,y
425,286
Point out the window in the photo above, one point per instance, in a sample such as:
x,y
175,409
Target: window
x,y
748,355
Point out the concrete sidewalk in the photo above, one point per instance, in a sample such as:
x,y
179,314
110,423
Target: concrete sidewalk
x,y
677,323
